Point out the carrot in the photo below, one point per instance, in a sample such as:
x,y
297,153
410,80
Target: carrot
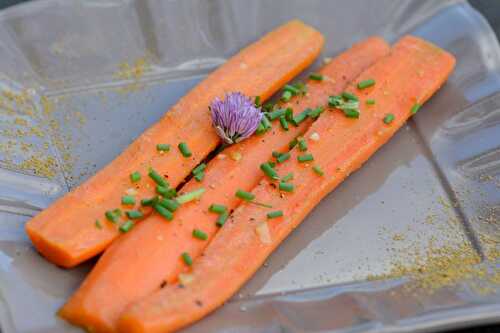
x,y
66,233
412,72
100,300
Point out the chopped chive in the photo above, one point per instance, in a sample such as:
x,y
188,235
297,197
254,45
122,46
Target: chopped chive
x,y
113,215
260,129
169,204
388,118
184,149
293,143
149,201
314,113
305,158
98,224
287,177
301,86
197,233
163,147
265,121
366,83
316,77
292,89
257,101
128,200
222,219
284,123
199,168
302,144
269,171
268,107
286,96
135,177
276,114
187,258
166,192
164,212
415,108
283,157
351,113
244,195
126,227
158,179
370,101
274,214
335,101
317,170
289,114
271,164
276,154
216,208
297,119
134,214
190,196
349,96
199,176
286,187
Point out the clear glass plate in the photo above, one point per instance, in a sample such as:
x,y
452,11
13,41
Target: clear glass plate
x,y
80,79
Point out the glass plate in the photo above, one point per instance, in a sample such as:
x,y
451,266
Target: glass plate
x,y
79,80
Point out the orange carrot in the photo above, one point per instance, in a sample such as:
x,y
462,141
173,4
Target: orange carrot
x,y
412,72
66,233
154,247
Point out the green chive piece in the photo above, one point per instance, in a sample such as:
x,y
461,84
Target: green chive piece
x,y
276,154
269,171
169,204
292,89
184,149
335,101
351,113
128,200
271,164
415,108
366,83
276,114
199,176
257,101
287,177
284,123
166,192
289,114
305,158
244,195
286,96
293,143
190,196
297,119
134,214
197,233
149,201
301,86
265,121
187,258
98,224
388,118
349,96
135,177
113,215
316,77
370,101
158,179
199,168
164,212
286,187
274,214
163,147
283,157
302,144
317,170
314,113
222,219
218,209
260,129
126,227
268,107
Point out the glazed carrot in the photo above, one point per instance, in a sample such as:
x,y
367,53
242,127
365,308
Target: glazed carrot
x,y
66,233
339,145
100,300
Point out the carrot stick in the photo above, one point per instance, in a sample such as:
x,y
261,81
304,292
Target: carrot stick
x,y
100,300
66,233
412,72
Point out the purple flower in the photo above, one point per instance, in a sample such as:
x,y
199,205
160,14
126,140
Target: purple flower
x,y
235,118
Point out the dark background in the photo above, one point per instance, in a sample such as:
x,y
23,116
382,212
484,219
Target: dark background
x,y
491,10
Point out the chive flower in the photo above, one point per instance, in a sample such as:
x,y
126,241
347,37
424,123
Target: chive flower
x,y
235,118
